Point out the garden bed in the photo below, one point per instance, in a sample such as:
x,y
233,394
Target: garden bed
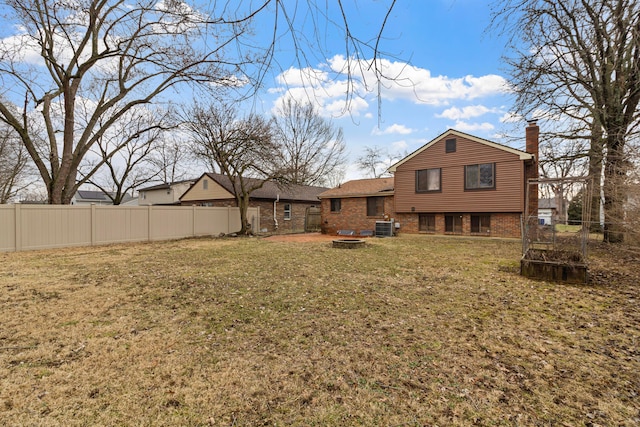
x,y
554,266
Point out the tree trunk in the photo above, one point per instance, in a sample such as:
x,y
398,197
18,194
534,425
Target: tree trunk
x,y
595,172
243,204
614,180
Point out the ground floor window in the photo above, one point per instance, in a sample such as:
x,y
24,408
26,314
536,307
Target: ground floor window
x,y
336,205
375,206
427,223
453,223
481,223
287,211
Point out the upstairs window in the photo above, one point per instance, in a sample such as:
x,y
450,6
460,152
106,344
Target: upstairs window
x,y
428,180
336,205
450,145
287,211
205,184
480,176
375,206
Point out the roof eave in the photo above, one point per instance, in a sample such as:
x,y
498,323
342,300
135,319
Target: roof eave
x,y
343,196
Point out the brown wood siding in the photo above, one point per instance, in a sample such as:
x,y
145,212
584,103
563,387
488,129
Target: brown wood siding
x,y
508,195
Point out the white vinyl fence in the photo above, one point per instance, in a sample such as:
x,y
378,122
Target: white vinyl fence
x,y
29,227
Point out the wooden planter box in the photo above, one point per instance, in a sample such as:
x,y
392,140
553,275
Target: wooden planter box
x,y
553,271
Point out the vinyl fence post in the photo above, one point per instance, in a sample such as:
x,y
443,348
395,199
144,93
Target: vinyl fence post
x,y
193,216
149,223
18,226
93,224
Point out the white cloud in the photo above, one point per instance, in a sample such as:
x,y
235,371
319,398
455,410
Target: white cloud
x,y
314,85
294,77
403,81
511,117
393,129
344,80
471,127
455,113
399,146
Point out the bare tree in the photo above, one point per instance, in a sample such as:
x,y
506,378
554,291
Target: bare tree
x,y
170,158
580,60
125,154
336,177
311,147
14,166
243,149
562,159
376,160
97,60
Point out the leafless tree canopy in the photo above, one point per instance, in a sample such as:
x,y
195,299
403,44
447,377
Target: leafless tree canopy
x,y
242,148
312,149
577,63
375,161
14,165
125,154
170,159
77,67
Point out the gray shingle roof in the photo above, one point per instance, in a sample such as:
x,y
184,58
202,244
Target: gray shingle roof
x,y
272,190
361,188
166,185
92,195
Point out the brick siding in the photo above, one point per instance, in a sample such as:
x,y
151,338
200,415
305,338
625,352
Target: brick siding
x,y
294,225
502,224
352,215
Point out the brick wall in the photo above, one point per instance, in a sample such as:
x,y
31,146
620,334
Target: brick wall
x,y
502,224
294,225
352,215
532,133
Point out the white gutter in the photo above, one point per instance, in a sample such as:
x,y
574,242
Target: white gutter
x,y
275,218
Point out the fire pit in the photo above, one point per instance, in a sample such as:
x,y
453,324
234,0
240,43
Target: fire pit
x,y
348,243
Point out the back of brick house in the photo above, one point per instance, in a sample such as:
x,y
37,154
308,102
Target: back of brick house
x,y
283,209
456,184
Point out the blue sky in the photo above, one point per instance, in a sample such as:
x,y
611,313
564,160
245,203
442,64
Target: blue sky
x,y
449,68
445,66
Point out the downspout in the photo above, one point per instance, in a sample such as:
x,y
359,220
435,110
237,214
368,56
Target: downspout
x,y
275,218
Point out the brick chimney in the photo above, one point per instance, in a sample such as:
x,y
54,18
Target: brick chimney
x,y
531,167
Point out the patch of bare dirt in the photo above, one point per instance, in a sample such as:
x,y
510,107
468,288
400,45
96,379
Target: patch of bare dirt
x,y
301,238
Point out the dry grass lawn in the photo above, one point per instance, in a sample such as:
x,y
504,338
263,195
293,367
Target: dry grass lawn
x,y
408,331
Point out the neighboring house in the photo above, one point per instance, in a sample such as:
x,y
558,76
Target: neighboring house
x,y
552,211
547,211
283,209
357,205
133,202
164,194
93,197
455,184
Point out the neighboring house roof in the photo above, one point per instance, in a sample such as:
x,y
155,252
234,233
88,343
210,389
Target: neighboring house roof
x,y
361,188
96,196
547,204
452,132
166,185
133,201
91,195
272,190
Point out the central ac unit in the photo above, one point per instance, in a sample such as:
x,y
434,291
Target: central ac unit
x,y
384,228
